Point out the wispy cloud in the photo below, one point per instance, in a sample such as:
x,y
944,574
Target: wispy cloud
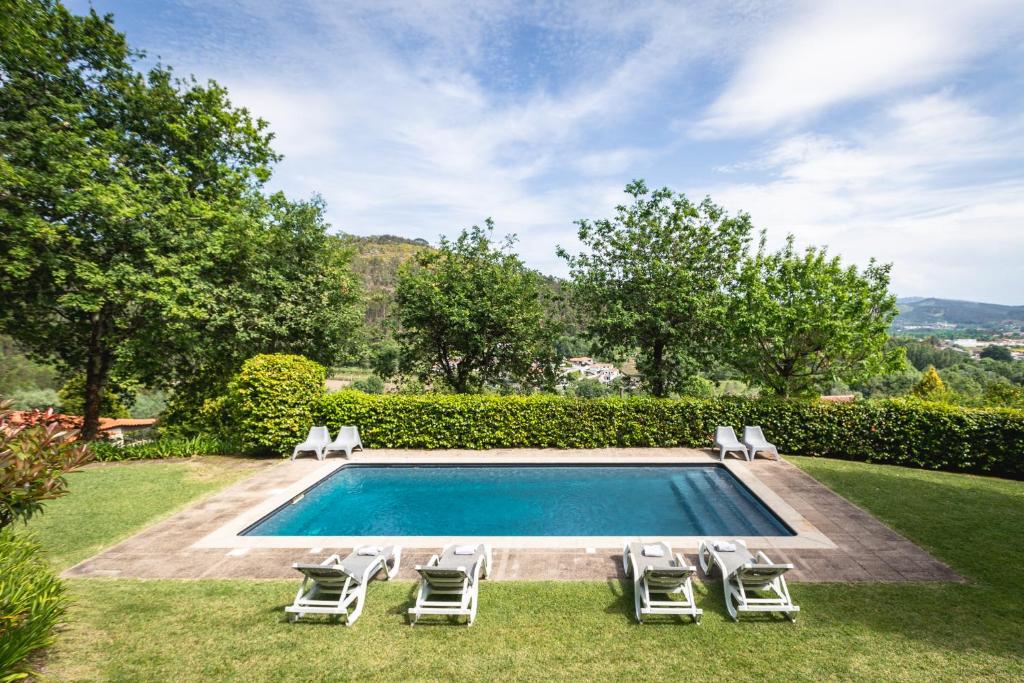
x,y
906,189
886,128
829,53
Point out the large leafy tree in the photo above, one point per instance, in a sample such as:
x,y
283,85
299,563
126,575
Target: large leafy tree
x,y
802,321
472,315
654,280
133,233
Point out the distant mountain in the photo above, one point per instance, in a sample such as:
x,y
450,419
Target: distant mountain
x,y
917,311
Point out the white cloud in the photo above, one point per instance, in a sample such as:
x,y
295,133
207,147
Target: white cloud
x,y
905,191
827,53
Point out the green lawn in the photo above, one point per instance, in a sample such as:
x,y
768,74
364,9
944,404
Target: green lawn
x,y
110,502
122,630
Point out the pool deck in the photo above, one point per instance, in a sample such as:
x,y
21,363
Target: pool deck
x,y
835,539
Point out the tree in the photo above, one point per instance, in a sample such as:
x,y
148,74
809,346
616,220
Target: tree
x,y
134,238
1000,353
800,322
471,316
930,387
35,454
654,281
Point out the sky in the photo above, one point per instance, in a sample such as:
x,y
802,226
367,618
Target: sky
x,y
892,130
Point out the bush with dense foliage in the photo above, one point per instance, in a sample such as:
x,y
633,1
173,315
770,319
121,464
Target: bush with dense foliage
x,y
269,403
32,601
164,447
35,454
897,431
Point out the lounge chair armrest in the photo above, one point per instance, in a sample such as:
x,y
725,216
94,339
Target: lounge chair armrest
x,y
333,559
762,558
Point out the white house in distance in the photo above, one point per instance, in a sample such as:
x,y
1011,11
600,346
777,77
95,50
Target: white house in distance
x,y
588,368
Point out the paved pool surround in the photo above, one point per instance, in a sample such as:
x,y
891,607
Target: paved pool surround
x,y
835,540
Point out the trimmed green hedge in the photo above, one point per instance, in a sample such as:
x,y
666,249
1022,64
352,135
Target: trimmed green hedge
x,y
269,402
900,432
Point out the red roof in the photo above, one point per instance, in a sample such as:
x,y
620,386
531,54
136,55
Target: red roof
x,y
17,417
842,398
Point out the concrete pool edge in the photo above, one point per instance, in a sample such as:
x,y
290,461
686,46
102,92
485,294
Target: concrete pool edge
x,y
807,536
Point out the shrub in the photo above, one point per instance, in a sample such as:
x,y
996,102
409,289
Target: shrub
x,y
34,457
896,431
165,447
34,399
270,401
32,600
371,385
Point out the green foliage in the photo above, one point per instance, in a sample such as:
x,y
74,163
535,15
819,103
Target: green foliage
x,y
801,322
654,279
1005,395
35,455
164,447
34,399
72,399
32,602
921,354
472,316
371,385
697,387
1000,353
271,399
18,372
899,431
930,387
135,238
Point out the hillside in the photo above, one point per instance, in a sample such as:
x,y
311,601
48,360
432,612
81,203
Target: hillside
x,y
953,313
376,262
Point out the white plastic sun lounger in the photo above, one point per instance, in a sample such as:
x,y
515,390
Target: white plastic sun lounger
x,y
315,442
752,584
334,585
348,440
656,571
753,439
726,442
450,583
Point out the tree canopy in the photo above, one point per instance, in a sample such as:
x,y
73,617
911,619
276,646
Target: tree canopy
x,y
653,280
133,232
800,322
472,315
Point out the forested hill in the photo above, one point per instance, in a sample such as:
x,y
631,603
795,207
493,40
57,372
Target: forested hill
x,y
376,262
930,311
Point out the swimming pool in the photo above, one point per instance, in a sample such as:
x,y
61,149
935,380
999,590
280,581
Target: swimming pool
x,y
524,500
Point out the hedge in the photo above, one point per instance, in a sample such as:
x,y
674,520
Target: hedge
x,y
896,431
269,402
164,447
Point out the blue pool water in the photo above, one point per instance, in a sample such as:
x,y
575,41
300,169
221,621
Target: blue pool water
x,y
523,500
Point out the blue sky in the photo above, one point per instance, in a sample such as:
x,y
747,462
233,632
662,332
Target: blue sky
x,y
889,129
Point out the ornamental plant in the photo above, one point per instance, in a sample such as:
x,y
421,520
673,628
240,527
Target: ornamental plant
x,y
269,402
35,454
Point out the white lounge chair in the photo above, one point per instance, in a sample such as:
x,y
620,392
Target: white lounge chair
x,y
450,583
348,440
726,442
753,439
656,571
752,584
334,585
315,442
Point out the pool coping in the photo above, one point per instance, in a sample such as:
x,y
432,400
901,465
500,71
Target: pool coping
x,y
806,535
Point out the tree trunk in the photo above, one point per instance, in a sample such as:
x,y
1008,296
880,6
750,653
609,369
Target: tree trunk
x,y
658,367
97,368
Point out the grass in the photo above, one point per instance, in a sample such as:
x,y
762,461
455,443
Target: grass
x,y
129,630
107,503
